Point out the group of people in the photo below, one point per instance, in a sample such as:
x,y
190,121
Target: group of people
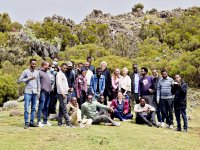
x,y
92,96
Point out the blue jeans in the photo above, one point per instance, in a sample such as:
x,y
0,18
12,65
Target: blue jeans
x,y
29,98
122,116
178,113
43,106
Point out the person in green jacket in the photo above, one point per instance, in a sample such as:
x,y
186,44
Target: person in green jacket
x,y
89,109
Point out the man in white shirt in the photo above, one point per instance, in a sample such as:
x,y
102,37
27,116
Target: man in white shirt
x,y
89,75
62,90
145,113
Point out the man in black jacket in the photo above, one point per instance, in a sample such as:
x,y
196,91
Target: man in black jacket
x,y
180,102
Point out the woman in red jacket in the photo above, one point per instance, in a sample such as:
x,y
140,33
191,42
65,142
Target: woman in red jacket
x,y
121,108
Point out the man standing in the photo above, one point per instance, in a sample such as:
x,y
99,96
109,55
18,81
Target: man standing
x,y
62,90
32,89
89,75
180,102
89,109
44,99
146,88
91,67
156,79
135,77
145,113
97,84
108,84
165,97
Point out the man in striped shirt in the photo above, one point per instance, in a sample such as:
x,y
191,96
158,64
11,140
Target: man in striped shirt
x,y
165,97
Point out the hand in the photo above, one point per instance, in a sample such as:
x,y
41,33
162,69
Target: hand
x,y
124,112
64,96
71,89
151,90
31,78
145,110
111,109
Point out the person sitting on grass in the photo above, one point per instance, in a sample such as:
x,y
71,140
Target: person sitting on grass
x,y
145,113
121,108
102,111
74,112
89,109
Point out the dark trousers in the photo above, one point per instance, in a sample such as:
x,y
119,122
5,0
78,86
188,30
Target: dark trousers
x,y
136,98
43,106
150,99
62,110
102,118
144,119
53,102
106,95
178,113
82,98
122,116
158,108
167,110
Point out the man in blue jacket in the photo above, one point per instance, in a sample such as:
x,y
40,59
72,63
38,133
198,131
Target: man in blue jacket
x,y
97,83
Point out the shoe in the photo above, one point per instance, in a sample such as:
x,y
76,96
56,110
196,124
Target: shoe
x,y
60,124
26,126
155,124
47,124
117,124
178,129
40,124
70,126
159,123
185,130
81,126
171,127
149,124
33,125
162,125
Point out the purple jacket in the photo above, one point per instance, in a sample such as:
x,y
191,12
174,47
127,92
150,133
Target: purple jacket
x,y
145,83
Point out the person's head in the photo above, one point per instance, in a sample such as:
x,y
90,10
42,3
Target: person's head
x,y
69,65
89,98
45,65
89,59
74,101
117,72
177,78
80,65
119,95
87,65
125,71
55,61
142,101
98,72
32,63
144,71
83,72
164,74
155,73
103,65
135,68
63,67
101,99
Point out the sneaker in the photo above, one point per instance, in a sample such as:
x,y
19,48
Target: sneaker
x,y
48,123
185,130
159,123
155,124
60,124
40,124
70,126
26,126
162,125
171,127
178,129
33,125
81,126
117,124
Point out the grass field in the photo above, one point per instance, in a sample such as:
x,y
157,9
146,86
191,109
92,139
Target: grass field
x,y
128,136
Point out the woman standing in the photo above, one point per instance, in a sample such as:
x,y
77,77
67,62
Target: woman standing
x,y
115,82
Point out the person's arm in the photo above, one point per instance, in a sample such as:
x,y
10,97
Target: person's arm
x,y
92,85
102,106
151,108
59,84
68,108
184,87
158,91
72,79
128,84
103,86
137,110
126,107
139,87
38,84
23,77
113,83
77,87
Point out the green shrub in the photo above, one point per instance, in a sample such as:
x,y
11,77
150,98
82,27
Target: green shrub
x,y
8,88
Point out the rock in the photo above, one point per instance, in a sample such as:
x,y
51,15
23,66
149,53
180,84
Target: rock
x,y
20,99
10,105
16,113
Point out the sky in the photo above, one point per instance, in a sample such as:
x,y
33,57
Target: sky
x,y
37,10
